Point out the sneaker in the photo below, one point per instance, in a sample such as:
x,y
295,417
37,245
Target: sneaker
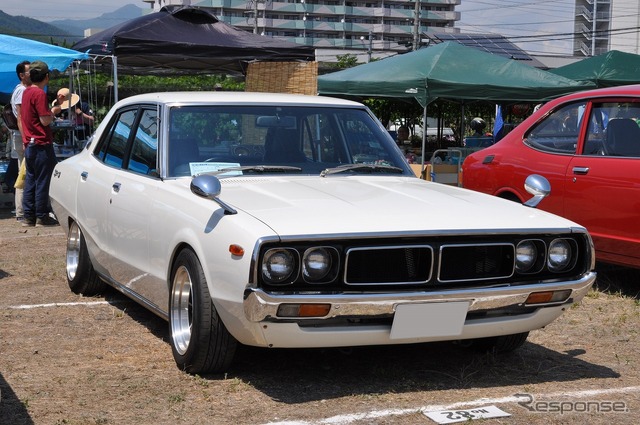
x,y
19,219
46,221
28,222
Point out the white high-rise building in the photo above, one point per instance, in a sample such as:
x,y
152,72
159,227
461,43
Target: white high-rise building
x,y
370,25
625,25
603,25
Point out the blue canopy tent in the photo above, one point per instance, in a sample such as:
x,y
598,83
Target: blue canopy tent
x,y
14,50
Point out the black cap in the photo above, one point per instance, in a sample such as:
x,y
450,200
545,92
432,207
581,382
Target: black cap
x,y
38,70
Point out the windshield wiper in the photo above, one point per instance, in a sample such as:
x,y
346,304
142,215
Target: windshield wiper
x,y
362,167
256,169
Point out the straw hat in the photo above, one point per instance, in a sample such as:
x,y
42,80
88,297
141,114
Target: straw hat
x,y
65,103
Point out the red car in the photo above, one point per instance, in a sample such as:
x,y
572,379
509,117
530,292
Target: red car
x,y
587,145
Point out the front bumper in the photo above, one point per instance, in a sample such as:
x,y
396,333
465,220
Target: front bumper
x,y
260,306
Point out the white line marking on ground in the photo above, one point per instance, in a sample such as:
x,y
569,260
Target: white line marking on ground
x,y
71,304
350,418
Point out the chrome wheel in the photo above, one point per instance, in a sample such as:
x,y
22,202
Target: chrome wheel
x,y
181,315
74,245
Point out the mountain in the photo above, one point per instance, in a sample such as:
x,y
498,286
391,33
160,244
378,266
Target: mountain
x,y
104,21
64,32
21,26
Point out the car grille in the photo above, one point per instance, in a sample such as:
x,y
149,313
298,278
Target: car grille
x,y
415,263
392,265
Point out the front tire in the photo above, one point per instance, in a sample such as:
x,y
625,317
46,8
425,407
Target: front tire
x,y
199,340
81,276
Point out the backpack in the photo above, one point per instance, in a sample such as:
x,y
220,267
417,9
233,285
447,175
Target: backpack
x,y
9,118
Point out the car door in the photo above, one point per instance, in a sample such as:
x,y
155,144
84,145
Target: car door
x,y
131,203
603,183
94,191
554,143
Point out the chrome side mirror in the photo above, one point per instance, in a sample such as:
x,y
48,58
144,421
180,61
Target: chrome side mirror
x,y
209,187
539,187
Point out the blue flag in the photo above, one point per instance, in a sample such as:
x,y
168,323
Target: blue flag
x,y
498,124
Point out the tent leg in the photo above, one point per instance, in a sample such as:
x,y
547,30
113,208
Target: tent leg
x,y
115,78
424,141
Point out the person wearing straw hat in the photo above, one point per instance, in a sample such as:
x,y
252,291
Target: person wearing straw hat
x,y
80,112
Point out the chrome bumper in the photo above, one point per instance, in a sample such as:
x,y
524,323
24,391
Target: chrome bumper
x,y
260,306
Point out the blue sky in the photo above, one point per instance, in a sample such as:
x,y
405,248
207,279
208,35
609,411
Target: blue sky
x,y
537,24
511,18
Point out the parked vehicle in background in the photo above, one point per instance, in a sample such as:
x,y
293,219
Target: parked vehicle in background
x,y
588,146
294,221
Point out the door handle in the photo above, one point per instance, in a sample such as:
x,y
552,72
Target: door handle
x,y
84,176
581,170
116,187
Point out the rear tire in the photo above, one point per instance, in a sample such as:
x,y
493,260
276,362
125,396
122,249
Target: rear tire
x,y
501,344
199,340
81,276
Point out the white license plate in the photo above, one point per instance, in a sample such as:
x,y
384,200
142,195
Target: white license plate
x,y
429,320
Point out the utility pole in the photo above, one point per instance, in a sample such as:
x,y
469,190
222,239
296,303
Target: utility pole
x,y
369,50
416,26
255,16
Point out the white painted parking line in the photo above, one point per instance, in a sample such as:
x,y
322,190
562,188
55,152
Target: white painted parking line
x,y
377,414
70,304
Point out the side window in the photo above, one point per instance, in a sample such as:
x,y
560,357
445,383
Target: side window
x,y
614,130
558,132
144,150
113,147
363,142
319,139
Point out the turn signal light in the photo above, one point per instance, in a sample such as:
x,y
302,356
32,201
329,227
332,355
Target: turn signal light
x,y
303,310
548,297
236,250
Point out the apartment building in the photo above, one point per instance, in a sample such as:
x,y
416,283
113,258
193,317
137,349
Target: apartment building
x,y
369,25
603,25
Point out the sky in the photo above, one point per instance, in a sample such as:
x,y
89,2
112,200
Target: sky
x,y
542,19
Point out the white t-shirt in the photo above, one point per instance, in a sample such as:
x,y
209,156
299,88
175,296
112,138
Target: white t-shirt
x,y
16,139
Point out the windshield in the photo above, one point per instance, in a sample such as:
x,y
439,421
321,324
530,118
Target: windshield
x,y
275,139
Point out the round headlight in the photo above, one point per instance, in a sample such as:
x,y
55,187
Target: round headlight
x,y
559,255
278,265
526,255
316,263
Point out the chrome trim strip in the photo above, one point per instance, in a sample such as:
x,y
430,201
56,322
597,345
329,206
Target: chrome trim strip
x,y
260,306
431,233
136,297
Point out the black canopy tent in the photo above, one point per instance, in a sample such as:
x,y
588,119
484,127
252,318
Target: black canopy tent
x,y
180,39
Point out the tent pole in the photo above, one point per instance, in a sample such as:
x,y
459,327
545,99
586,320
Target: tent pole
x,y
115,78
462,124
424,140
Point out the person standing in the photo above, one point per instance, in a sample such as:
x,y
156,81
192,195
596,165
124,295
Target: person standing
x,y
17,149
39,154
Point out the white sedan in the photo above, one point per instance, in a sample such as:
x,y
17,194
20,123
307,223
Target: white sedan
x,y
294,221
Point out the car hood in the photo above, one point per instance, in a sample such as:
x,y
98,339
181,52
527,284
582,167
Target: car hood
x,y
372,205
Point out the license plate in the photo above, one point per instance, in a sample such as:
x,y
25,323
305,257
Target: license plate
x,y
429,320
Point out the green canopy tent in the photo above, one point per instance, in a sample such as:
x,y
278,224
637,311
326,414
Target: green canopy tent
x,y
448,70
614,68
452,71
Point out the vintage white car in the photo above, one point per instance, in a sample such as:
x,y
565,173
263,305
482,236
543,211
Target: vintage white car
x,y
294,221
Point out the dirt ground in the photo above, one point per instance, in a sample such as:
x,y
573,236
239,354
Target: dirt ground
x,y
65,359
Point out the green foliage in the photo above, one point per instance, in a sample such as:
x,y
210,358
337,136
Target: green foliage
x,y
345,61
100,86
